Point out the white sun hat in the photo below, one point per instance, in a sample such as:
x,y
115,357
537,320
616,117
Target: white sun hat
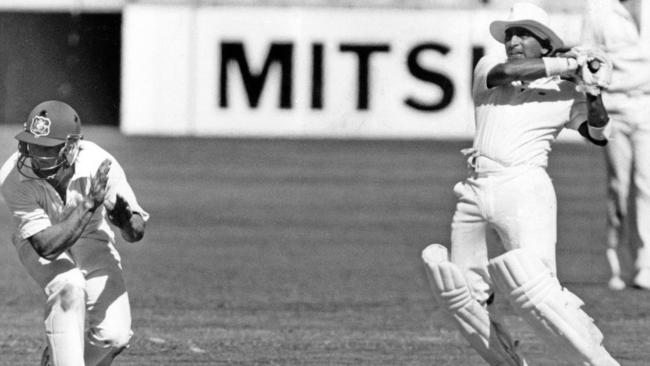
x,y
530,17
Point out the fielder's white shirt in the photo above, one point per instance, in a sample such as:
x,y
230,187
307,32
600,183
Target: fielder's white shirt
x,y
608,25
35,205
516,123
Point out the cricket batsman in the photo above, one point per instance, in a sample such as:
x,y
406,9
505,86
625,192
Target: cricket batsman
x,y
522,102
64,193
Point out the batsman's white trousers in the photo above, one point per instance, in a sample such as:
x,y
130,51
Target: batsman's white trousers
x,y
519,203
84,286
628,170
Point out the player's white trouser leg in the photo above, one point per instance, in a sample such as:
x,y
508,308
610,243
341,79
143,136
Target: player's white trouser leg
x,y
107,338
109,316
641,177
64,318
619,156
554,313
616,281
628,171
450,290
109,322
84,283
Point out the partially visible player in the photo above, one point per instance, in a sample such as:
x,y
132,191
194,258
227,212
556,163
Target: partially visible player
x,y
522,102
62,192
618,28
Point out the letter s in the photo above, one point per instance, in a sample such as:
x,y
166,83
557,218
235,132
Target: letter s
x,y
429,76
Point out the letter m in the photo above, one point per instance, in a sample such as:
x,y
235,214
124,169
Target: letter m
x,y
280,54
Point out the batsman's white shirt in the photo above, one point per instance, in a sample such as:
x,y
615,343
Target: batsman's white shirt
x,y
35,205
516,124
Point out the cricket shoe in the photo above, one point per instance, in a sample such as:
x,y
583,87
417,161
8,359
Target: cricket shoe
x,y
642,279
616,283
46,360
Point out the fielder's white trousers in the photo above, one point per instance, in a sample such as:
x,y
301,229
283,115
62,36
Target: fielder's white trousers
x,y
628,173
87,312
519,203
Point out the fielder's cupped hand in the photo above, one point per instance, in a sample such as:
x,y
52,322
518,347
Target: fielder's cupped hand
x,y
120,214
131,224
98,185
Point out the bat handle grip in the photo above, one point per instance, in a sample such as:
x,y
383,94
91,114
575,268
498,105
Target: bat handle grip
x,y
593,65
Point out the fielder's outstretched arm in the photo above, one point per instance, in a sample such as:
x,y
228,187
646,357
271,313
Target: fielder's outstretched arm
x,y
55,239
49,243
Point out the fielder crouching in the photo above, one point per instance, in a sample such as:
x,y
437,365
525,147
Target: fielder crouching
x,y
62,192
522,102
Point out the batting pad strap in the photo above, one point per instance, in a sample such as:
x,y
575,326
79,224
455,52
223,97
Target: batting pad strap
x,y
553,312
473,320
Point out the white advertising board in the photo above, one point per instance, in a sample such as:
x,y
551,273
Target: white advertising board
x,y
303,72
72,6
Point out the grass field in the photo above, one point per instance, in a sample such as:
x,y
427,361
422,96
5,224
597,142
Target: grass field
x,y
306,252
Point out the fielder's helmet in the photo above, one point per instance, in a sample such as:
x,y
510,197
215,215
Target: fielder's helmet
x,y
50,123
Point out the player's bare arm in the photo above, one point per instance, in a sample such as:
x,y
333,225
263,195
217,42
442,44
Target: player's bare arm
x,y
51,242
516,70
597,119
596,112
54,240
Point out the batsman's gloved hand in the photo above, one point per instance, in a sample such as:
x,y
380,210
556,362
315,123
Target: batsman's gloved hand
x,y
594,71
120,214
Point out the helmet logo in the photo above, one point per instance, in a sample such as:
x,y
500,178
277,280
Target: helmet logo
x,y
40,126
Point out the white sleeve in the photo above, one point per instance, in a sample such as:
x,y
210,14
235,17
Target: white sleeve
x,y
592,22
118,184
483,67
28,216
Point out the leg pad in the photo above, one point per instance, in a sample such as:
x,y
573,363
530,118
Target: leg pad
x,y
554,312
450,290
